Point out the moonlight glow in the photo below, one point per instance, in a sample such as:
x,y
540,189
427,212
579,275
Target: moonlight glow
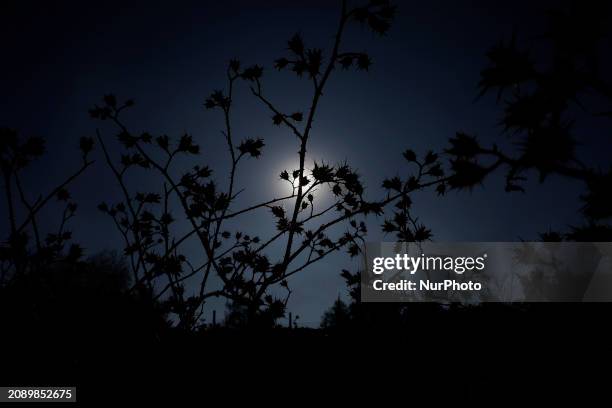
x,y
284,188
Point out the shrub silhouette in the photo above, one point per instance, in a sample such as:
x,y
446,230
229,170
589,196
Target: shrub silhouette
x,y
27,249
241,261
540,98
76,303
241,266
337,317
53,298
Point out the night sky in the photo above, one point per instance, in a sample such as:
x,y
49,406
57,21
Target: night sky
x,y
59,60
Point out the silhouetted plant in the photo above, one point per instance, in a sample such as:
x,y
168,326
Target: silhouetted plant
x,y
72,303
338,317
27,248
540,98
239,260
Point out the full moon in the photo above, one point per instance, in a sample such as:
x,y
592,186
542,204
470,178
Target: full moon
x,y
284,188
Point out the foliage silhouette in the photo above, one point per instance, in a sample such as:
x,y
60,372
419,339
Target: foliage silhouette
x,y
337,317
538,97
19,257
80,302
53,298
542,100
239,259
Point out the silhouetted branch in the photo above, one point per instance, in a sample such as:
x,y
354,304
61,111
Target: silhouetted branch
x,y
53,193
244,270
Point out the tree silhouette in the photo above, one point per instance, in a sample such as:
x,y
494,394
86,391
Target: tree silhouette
x,y
337,317
71,302
539,97
104,311
542,99
27,249
238,259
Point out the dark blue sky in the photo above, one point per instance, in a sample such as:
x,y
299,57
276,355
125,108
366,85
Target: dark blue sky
x,y
58,60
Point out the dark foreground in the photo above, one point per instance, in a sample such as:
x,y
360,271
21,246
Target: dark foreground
x,y
491,355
